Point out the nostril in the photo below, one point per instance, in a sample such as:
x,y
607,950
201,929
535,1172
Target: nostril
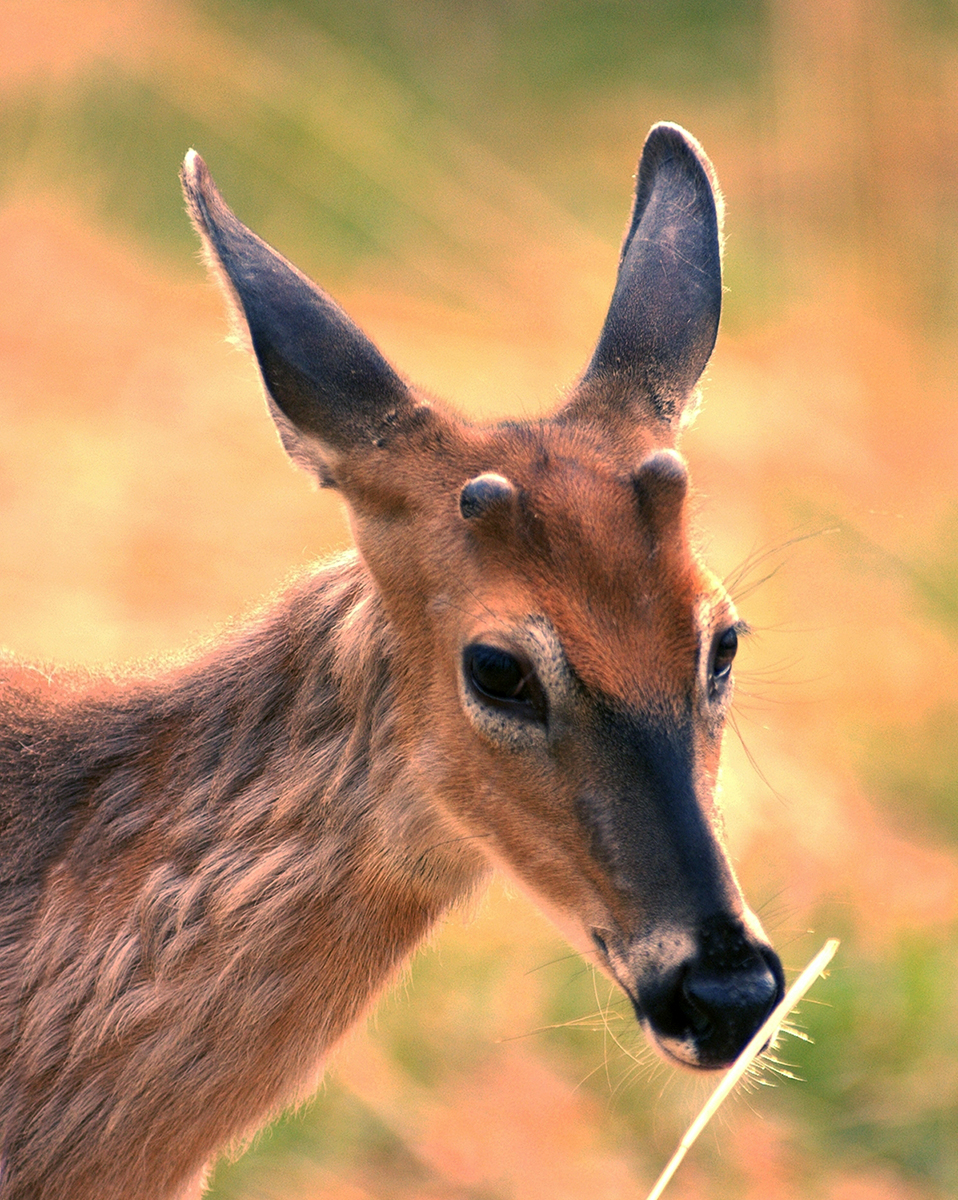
x,y
725,1008
744,992
704,1009
700,1023
774,965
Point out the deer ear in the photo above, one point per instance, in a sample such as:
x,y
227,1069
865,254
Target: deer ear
x,y
664,313
330,390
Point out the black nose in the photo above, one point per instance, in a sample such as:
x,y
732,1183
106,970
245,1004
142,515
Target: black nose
x,y
705,1011
724,1009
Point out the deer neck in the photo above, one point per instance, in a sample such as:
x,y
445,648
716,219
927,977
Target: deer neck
x,y
249,859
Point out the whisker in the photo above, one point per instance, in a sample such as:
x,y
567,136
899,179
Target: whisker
x,y
552,962
732,719
737,576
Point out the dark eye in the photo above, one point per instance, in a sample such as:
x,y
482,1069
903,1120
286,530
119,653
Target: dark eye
x,y
725,648
505,680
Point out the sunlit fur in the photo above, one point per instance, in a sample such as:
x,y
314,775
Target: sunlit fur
x,y
209,874
236,864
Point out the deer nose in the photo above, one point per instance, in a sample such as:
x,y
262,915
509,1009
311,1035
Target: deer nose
x,y
705,1011
724,1009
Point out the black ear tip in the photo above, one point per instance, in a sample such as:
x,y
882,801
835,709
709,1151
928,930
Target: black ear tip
x,y
669,133
666,139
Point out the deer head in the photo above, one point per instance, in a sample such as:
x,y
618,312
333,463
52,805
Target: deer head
x,y
563,659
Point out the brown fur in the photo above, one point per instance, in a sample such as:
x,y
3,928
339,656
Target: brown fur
x,y
208,875
221,899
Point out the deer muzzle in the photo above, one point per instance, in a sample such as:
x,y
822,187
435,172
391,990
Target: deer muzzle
x,y
702,1011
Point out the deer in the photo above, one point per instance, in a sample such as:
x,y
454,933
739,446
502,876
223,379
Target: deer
x,y
210,870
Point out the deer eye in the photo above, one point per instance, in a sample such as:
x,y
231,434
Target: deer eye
x,y
502,679
724,653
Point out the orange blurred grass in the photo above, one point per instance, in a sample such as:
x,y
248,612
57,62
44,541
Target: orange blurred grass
x,y
142,500
55,42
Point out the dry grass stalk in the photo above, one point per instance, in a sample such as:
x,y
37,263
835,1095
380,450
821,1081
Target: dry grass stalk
x,y
769,1029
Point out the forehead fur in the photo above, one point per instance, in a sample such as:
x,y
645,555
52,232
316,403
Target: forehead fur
x,y
621,587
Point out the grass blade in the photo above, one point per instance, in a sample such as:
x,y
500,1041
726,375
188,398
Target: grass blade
x,y
769,1029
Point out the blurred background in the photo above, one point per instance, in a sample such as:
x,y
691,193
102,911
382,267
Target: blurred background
x,y
458,174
